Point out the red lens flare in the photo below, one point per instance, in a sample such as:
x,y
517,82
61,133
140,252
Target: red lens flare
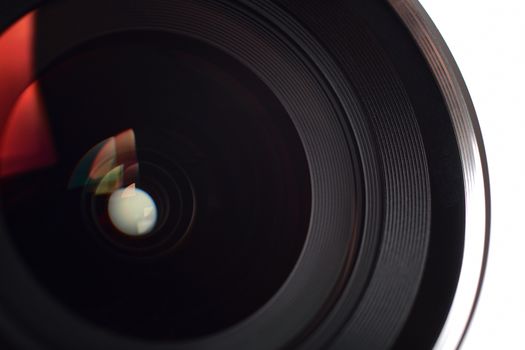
x,y
26,143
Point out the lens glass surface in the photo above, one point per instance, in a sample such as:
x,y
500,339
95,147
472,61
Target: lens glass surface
x,y
154,185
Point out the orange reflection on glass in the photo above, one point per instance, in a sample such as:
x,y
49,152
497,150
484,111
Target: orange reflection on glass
x,y
26,142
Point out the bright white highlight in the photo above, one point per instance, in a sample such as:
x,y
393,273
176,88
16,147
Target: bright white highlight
x,y
132,211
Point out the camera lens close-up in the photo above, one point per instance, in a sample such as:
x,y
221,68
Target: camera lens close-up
x,y
235,174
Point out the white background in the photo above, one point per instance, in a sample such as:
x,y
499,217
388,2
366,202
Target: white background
x,y
487,39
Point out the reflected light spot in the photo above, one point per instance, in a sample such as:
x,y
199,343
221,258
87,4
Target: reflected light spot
x,y
132,211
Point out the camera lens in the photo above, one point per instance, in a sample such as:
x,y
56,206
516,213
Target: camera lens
x,y
231,174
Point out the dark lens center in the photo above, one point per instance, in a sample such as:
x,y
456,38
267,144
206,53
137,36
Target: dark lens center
x,y
216,152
